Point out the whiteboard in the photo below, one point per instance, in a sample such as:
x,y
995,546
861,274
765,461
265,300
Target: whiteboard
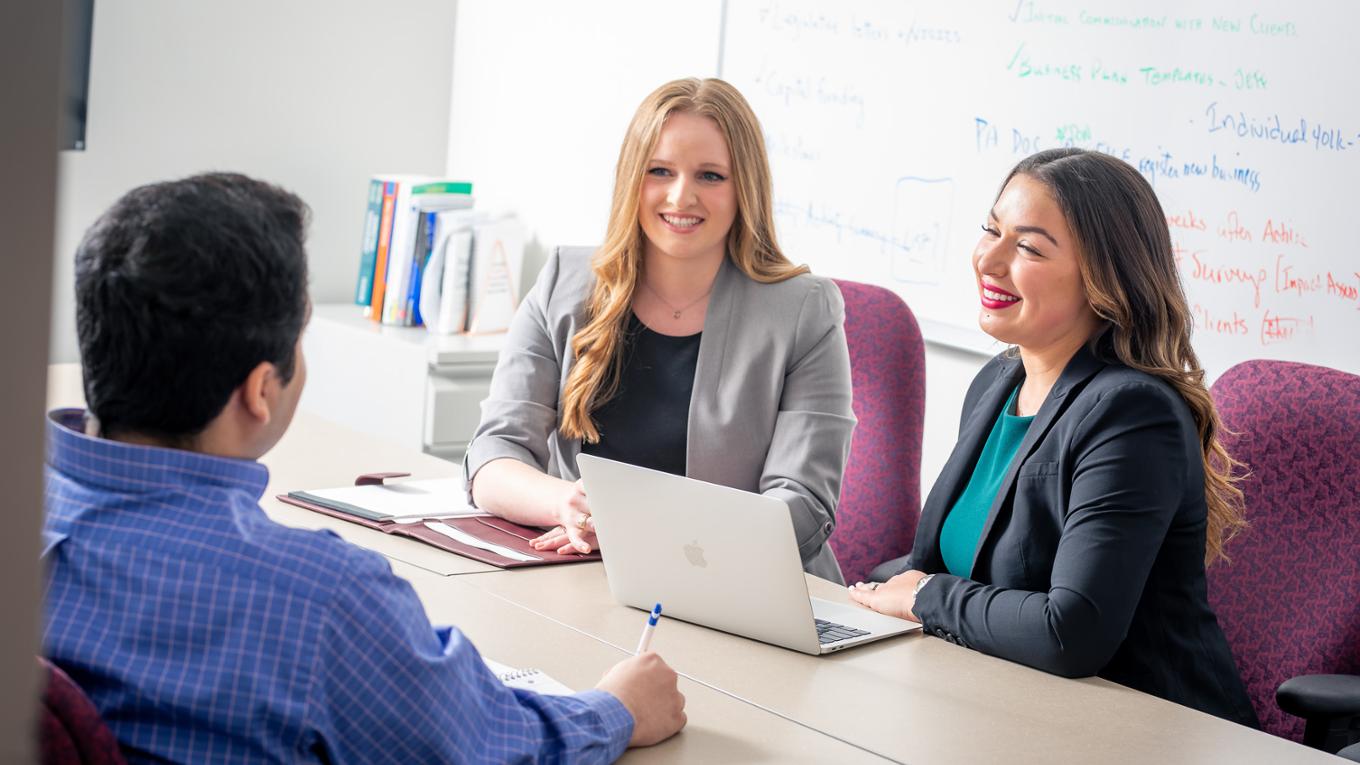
x,y
890,125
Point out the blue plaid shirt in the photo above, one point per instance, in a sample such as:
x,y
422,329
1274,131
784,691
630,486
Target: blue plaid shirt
x,y
204,632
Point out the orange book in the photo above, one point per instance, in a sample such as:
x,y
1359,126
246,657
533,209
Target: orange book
x,y
389,200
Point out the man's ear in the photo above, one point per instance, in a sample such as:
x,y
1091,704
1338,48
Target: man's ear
x,y
257,394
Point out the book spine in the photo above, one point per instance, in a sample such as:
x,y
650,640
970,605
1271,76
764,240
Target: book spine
x,y
454,289
384,244
399,256
463,278
444,187
424,249
368,252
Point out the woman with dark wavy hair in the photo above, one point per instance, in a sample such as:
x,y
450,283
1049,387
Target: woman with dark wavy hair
x,y
1071,527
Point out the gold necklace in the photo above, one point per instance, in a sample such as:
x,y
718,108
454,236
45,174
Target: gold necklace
x,y
675,312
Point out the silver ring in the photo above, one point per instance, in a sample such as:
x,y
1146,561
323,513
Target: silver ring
x,y
581,521
873,585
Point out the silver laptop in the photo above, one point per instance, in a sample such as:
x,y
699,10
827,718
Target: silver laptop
x,y
716,556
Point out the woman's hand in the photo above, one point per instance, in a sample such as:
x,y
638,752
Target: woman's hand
x,y
895,597
575,531
523,494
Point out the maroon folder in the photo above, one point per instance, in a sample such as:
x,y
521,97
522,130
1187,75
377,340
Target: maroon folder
x,y
486,528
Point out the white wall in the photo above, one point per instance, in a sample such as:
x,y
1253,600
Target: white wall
x,y
314,95
543,92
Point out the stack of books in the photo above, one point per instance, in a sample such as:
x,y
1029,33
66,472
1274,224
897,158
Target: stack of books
x,y
429,259
397,241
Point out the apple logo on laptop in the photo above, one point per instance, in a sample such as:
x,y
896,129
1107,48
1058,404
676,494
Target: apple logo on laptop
x,y
695,553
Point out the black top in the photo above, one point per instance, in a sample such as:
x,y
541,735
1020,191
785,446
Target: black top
x,y
1092,557
646,422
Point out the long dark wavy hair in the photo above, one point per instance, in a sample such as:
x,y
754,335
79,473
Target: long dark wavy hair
x,y
1129,272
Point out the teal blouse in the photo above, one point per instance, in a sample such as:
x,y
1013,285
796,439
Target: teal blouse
x,y
963,526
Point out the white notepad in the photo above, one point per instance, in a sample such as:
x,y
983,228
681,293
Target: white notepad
x,y
398,501
527,679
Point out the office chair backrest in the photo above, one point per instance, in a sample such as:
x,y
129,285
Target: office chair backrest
x,y
881,495
71,732
1289,601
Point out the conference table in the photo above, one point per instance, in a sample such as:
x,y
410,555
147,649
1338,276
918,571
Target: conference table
x,y
721,728
911,699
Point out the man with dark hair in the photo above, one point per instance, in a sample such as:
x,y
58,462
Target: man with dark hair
x,y
202,630
182,289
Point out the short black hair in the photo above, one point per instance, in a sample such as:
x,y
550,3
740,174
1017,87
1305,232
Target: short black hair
x,y
182,288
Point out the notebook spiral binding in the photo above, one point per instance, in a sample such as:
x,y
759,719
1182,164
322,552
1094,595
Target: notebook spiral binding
x,y
518,674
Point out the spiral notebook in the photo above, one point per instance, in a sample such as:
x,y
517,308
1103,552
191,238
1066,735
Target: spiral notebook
x,y
527,679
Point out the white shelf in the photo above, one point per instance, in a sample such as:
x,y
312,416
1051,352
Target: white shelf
x,y
440,349
401,384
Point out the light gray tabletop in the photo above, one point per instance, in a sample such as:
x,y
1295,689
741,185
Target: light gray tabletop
x,y
912,698
720,729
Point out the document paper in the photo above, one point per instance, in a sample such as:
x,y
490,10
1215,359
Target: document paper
x,y
462,536
399,500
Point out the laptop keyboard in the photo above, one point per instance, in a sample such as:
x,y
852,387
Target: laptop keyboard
x,y
830,632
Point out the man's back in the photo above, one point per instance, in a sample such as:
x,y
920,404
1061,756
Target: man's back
x,y
204,632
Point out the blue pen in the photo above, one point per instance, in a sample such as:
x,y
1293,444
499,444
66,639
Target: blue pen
x,y
647,631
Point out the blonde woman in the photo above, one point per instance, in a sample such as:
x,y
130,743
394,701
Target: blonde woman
x,y
686,342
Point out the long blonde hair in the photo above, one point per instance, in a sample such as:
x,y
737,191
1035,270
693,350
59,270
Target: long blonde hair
x,y
1129,272
617,264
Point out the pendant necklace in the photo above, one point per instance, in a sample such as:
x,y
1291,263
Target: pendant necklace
x,y
675,312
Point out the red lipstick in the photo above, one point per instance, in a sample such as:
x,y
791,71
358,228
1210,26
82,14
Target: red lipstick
x,y
992,303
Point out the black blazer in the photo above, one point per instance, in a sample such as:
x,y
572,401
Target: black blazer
x,y
1092,558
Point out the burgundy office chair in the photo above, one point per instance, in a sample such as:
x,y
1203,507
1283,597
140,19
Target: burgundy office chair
x,y
70,730
1289,601
881,494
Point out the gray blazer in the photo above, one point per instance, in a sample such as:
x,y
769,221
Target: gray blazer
x,y
770,411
